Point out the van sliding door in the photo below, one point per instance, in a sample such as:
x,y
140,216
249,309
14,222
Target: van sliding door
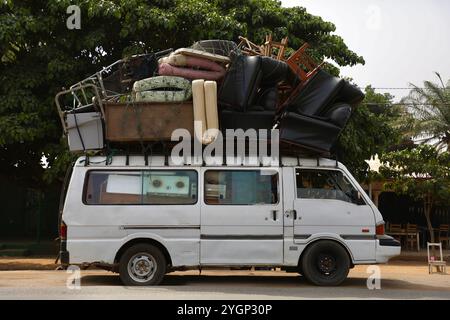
x,y
241,217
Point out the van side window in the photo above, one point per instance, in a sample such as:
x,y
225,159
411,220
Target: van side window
x,y
324,184
241,187
163,187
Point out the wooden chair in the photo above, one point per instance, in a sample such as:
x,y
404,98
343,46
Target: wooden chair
x,y
396,227
270,45
443,235
440,264
302,64
250,48
411,239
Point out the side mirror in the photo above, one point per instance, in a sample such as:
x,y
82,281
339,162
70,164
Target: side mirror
x,y
357,198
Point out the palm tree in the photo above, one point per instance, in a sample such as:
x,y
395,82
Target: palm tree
x,y
425,114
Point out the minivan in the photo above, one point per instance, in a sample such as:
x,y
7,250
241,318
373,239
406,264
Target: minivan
x,y
143,217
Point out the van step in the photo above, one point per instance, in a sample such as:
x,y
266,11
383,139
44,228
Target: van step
x,y
14,252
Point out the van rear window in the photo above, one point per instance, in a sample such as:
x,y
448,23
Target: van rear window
x,y
241,187
146,187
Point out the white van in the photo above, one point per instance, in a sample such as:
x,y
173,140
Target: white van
x,y
143,217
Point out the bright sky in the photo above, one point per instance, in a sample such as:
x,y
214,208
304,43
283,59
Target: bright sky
x,y
402,41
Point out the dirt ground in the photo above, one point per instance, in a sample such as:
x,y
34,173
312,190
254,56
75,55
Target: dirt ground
x,y
417,271
34,263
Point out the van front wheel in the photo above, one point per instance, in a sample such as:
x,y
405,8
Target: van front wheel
x,y
142,265
325,263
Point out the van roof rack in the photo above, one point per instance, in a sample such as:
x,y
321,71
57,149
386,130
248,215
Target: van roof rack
x,y
164,160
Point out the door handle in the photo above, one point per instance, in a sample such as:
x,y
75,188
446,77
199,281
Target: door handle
x,y
293,212
274,215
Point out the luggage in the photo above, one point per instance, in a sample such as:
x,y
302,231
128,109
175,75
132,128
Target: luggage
x,y
84,131
140,121
162,89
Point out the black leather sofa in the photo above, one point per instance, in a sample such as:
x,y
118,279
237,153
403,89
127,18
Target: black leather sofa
x,y
315,118
248,96
312,120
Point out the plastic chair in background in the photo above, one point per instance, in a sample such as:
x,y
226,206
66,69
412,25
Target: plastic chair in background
x,y
440,264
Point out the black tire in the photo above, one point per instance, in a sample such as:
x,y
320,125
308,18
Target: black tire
x,y
142,265
325,263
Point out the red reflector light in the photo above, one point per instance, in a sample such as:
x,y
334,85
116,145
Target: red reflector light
x,y
63,231
380,229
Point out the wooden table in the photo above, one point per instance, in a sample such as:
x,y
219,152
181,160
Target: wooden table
x,y
406,234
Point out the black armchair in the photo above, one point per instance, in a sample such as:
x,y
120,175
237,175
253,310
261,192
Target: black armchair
x,y
314,132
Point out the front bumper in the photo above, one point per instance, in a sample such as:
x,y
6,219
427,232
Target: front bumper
x,y
387,248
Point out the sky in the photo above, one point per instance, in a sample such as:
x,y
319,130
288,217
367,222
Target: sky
x,y
402,41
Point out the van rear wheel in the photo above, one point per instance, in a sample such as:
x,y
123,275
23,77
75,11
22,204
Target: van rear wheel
x,y
142,265
325,263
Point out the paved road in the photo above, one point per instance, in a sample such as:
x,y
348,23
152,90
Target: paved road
x,y
395,284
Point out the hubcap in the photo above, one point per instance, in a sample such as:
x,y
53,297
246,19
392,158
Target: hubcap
x,y
142,267
326,264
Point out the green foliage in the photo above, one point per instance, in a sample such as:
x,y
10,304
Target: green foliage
x,y
368,132
39,55
426,113
422,173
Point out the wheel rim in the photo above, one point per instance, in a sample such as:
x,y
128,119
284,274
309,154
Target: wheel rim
x,y
326,264
142,267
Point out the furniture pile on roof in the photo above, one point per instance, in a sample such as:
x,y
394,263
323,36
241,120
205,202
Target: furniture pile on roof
x,y
142,99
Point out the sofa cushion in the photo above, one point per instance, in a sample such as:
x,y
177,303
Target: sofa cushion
x,y
255,119
339,114
241,82
350,94
316,96
268,98
273,71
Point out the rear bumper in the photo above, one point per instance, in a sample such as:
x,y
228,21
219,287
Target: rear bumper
x,y
387,248
64,256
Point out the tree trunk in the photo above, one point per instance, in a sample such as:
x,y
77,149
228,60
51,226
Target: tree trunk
x,y
427,206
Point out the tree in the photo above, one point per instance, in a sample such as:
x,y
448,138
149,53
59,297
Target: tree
x,y
423,173
368,132
39,55
426,114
